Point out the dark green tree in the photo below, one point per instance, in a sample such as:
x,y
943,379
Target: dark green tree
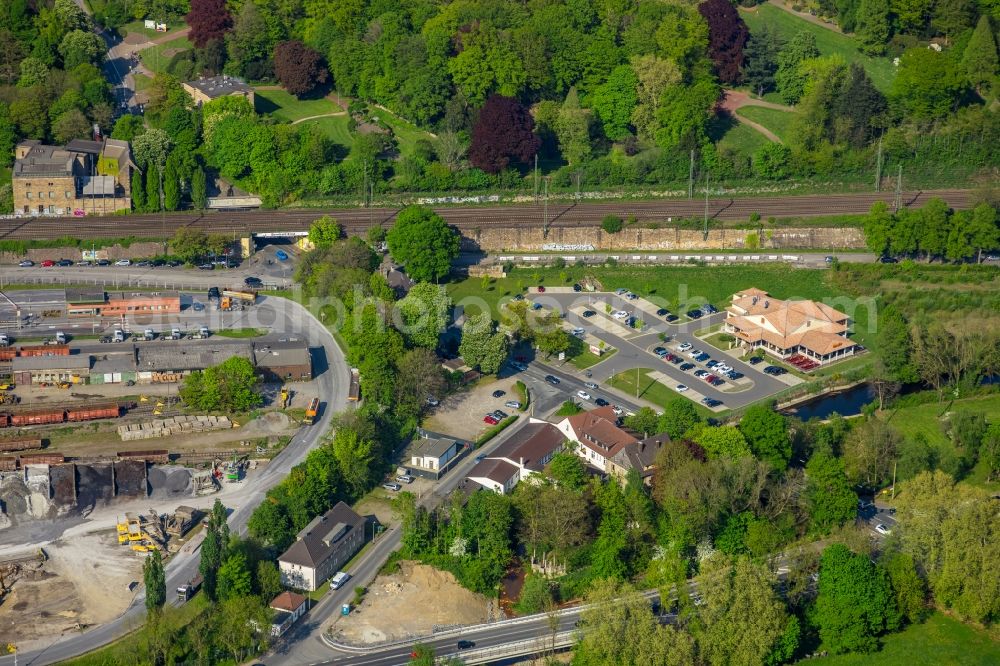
x,y
679,416
856,603
831,500
424,243
873,26
644,421
234,580
155,581
766,432
230,386
615,100
894,345
138,191
761,60
152,188
909,588
789,77
980,60
611,545
171,187
568,470
199,188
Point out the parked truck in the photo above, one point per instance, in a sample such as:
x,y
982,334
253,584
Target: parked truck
x,y
60,338
4,340
188,590
311,411
118,335
201,334
149,334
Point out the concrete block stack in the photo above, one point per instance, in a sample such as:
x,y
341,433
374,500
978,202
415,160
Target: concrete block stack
x,y
175,425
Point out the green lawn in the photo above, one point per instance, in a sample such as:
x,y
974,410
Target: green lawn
x,y
743,139
285,106
334,127
241,332
787,25
140,28
406,133
156,58
777,121
650,389
940,641
585,359
142,82
927,420
674,287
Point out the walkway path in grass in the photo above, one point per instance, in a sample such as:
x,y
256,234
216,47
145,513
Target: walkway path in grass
x,y
734,99
322,115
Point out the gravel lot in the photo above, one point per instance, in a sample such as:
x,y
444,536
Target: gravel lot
x,y
461,415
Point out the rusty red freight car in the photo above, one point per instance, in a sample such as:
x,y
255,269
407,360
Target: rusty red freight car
x,y
89,413
8,464
44,350
161,456
19,444
7,353
38,417
42,459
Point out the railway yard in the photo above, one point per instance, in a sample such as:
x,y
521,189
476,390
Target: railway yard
x,y
99,459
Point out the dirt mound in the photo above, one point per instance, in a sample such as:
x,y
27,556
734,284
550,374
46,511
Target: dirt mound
x,y
167,482
411,603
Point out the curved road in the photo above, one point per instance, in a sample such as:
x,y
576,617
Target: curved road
x,y
560,214
332,381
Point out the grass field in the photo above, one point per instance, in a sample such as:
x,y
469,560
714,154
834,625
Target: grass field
x,y
939,640
139,27
142,82
334,127
157,57
743,139
285,106
241,332
778,122
675,287
787,25
406,133
927,420
650,389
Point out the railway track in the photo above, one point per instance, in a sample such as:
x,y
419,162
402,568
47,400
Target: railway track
x,y
357,220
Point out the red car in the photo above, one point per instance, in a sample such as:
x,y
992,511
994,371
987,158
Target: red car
x,y
489,418
710,378
48,262
541,289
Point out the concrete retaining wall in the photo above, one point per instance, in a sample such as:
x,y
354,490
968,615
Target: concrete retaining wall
x,y
112,253
524,239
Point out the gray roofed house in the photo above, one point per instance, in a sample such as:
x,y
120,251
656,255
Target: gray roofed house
x,y
639,456
42,160
280,361
322,547
213,87
432,452
495,474
35,369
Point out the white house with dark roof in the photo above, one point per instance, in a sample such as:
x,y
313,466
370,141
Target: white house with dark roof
x,y
321,548
598,434
525,454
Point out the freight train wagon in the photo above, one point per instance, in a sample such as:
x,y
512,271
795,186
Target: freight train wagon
x,y
62,415
19,444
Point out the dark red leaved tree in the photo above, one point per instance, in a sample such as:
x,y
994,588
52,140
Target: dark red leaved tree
x,y
208,19
299,68
503,133
727,35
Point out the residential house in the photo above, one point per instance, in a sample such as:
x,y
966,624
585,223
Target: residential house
x,y
283,361
321,548
639,456
786,329
432,452
525,454
597,434
288,607
81,178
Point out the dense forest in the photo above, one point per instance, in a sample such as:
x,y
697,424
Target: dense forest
x,y
603,94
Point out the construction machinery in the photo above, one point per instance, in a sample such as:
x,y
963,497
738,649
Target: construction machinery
x,y
181,521
9,399
284,397
235,469
188,590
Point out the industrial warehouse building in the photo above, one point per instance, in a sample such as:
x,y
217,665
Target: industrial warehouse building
x,y
84,303
169,362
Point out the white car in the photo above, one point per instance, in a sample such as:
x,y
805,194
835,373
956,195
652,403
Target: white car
x,y
617,410
684,346
620,314
579,332
723,368
591,385
123,262
694,352
883,530
681,388
583,394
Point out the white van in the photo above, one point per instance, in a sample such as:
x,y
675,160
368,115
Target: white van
x,y
339,579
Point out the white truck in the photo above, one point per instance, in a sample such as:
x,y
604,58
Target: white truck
x,y
201,334
60,338
149,334
4,340
339,579
118,335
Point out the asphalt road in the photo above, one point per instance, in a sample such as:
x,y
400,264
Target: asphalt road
x,y
559,214
332,382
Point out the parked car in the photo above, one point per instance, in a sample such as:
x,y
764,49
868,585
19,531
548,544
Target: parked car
x,y
577,287
206,267
490,419
700,373
710,309
680,388
123,262
695,352
588,313
579,332
591,385
601,402
144,264
103,262
684,346
404,478
620,290
660,351
662,312
617,410
775,370
630,296
686,366
702,357
883,530
536,306
499,394
695,314
432,401
84,263
27,263
392,486
252,281
48,263
512,404
541,289
281,255
619,314
713,364
500,415
755,360
671,318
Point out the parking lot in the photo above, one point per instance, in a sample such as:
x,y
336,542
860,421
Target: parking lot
x,y
606,316
461,414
